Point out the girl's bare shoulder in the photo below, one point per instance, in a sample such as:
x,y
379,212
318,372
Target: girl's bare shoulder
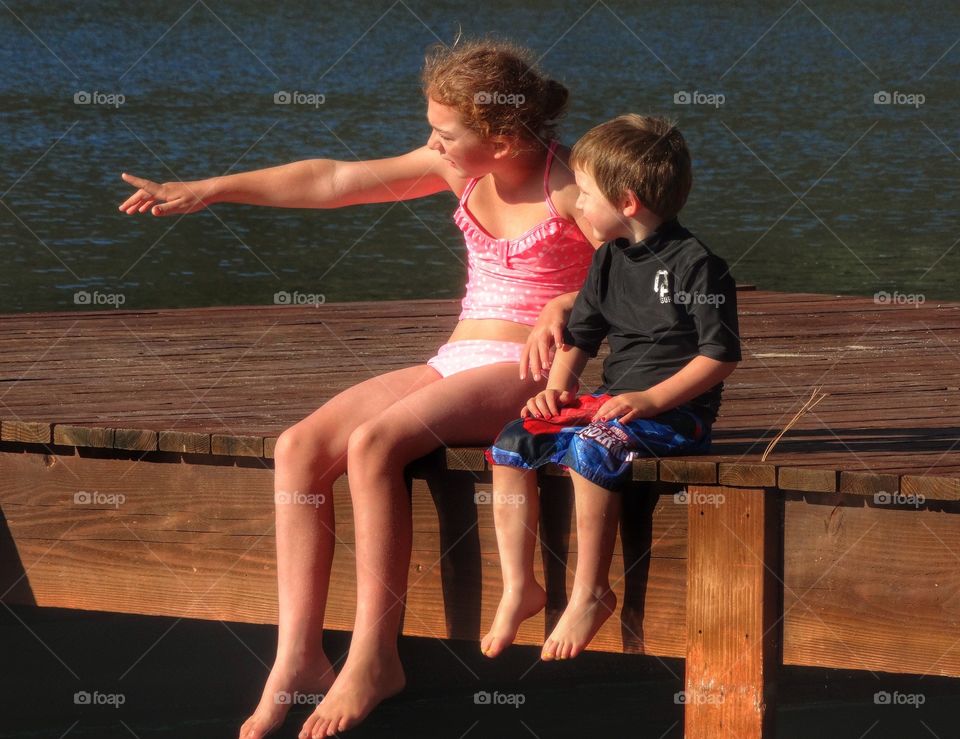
x,y
563,187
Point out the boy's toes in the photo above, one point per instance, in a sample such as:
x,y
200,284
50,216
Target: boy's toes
x,y
492,646
485,644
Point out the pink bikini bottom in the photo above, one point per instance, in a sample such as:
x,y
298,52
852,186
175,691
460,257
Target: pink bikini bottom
x,y
457,356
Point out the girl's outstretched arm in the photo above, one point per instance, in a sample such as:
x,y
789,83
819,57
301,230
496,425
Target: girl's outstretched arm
x,y
311,183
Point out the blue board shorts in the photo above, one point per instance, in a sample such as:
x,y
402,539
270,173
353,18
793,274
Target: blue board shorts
x,y
602,451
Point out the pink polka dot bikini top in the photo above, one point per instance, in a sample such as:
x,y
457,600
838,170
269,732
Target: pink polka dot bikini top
x,y
512,279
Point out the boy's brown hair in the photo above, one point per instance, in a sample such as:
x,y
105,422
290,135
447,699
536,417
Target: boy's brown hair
x,y
646,155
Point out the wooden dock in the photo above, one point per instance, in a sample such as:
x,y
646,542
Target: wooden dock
x,y
136,476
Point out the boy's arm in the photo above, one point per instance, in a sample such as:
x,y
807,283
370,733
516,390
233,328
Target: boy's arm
x,y
697,376
562,385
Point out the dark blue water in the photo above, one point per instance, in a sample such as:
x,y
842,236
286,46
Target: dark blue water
x,y
801,181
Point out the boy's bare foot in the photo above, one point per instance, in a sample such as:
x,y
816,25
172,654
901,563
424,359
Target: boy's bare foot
x,y
579,623
279,694
516,606
362,684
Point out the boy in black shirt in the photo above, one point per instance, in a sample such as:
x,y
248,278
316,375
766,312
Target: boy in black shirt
x,y
667,306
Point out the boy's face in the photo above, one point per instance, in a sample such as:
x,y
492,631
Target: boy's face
x,y
604,217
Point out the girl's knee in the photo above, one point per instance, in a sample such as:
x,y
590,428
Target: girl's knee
x,y
376,445
299,446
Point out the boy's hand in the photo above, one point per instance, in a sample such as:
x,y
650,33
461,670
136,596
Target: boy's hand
x,y
544,339
627,407
547,403
170,198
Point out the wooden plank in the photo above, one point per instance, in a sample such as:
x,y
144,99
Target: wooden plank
x,y
868,483
168,538
737,474
688,471
26,432
136,439
184,442
236,445
645,470
269,445
890,369
466,458
931,486
807,479
732,622
871,587
90,436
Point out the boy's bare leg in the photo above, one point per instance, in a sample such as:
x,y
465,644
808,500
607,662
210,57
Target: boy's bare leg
x,y
591,602
516,513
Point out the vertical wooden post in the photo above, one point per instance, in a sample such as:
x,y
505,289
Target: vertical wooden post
x,y
733,612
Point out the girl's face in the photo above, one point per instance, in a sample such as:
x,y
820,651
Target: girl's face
x,y
465,151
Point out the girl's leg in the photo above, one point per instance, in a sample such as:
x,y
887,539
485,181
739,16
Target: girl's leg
x,y
516,513
309,457
468,408
591,601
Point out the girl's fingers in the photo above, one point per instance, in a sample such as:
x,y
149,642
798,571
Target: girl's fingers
x,y
558,338
544,347
150,187
134,200
552,404
167,209
524,361
146,206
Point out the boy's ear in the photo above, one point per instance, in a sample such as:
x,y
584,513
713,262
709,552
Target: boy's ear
x,y
630,204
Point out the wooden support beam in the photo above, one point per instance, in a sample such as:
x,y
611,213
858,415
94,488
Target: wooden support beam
x,y
733,612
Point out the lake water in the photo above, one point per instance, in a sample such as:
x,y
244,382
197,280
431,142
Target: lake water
x,y
802,181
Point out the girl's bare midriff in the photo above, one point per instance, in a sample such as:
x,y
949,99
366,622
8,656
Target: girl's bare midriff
x,y
490,329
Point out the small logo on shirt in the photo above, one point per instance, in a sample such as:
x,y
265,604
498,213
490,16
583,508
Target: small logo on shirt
x,y
661,285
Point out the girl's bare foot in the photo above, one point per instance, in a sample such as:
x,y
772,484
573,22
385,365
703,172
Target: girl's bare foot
x,y
516,606
579,623
288,685
362,684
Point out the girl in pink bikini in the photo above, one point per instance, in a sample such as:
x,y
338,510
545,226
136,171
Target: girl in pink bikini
x,y
492,117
